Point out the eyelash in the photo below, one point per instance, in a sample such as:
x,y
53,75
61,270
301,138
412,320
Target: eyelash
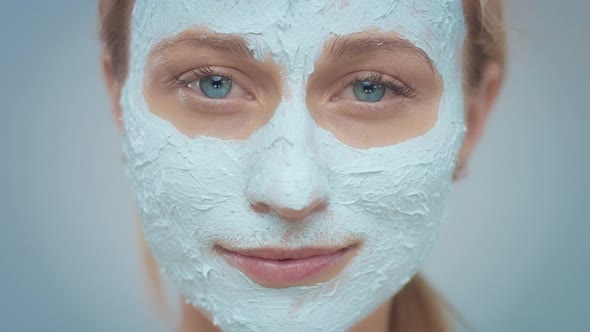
x,y
197,74
396,86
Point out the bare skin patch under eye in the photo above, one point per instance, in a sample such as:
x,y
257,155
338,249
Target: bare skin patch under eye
x,y
374,59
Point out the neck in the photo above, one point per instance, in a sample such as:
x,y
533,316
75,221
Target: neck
x,y
193,320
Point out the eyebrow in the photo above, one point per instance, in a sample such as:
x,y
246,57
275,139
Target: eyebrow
x,y
231,45
236,46
354,47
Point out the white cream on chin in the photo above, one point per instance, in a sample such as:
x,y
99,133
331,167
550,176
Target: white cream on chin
x,y
194,193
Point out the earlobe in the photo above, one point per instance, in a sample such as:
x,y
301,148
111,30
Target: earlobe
x,y
113,86
478,106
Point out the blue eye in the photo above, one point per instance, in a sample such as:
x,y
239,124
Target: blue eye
x,y
369,91
215,87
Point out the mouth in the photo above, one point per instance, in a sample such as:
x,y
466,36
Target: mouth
x,y
287,267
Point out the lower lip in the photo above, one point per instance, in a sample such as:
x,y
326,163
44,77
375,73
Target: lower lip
x,y
287,273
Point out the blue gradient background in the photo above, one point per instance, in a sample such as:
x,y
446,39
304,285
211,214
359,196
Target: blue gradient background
x,y
514,256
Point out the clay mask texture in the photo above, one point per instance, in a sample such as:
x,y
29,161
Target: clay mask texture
x,y
193,193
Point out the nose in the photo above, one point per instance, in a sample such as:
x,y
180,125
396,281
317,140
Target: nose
x,y
288,183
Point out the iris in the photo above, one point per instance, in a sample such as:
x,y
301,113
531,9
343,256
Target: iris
x,y
369,91
215,87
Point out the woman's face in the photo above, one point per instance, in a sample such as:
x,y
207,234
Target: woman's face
x,y
292,159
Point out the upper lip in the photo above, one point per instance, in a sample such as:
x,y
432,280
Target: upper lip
x,y
285,253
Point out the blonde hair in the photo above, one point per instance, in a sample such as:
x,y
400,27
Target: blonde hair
x,y
417,307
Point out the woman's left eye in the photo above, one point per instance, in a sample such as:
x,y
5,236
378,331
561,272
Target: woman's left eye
x,y
374,87
369,91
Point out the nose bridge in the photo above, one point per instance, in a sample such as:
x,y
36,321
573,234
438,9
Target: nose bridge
x,y
286,177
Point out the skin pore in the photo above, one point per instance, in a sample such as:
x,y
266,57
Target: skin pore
x,y
330,100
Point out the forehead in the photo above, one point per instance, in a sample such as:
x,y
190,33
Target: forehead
x,y
291,29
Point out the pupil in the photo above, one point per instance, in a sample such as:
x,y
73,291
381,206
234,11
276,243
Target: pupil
x,y
369,87
217,81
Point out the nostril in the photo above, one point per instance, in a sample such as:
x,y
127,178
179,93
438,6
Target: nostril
x,y
260,207
317,205
298,215
287,213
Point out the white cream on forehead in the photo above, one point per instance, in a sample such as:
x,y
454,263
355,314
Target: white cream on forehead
x,y
295,31
193,193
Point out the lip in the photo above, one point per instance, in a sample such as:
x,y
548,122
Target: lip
x,y
284,267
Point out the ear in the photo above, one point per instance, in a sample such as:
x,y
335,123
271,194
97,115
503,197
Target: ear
x,y
113,85
478,106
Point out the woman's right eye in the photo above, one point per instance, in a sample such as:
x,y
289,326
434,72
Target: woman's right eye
x,y
209,84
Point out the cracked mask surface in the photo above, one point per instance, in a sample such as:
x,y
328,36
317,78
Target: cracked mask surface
x,y
195,192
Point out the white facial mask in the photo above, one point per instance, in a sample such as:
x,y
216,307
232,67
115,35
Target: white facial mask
x,y
195,192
